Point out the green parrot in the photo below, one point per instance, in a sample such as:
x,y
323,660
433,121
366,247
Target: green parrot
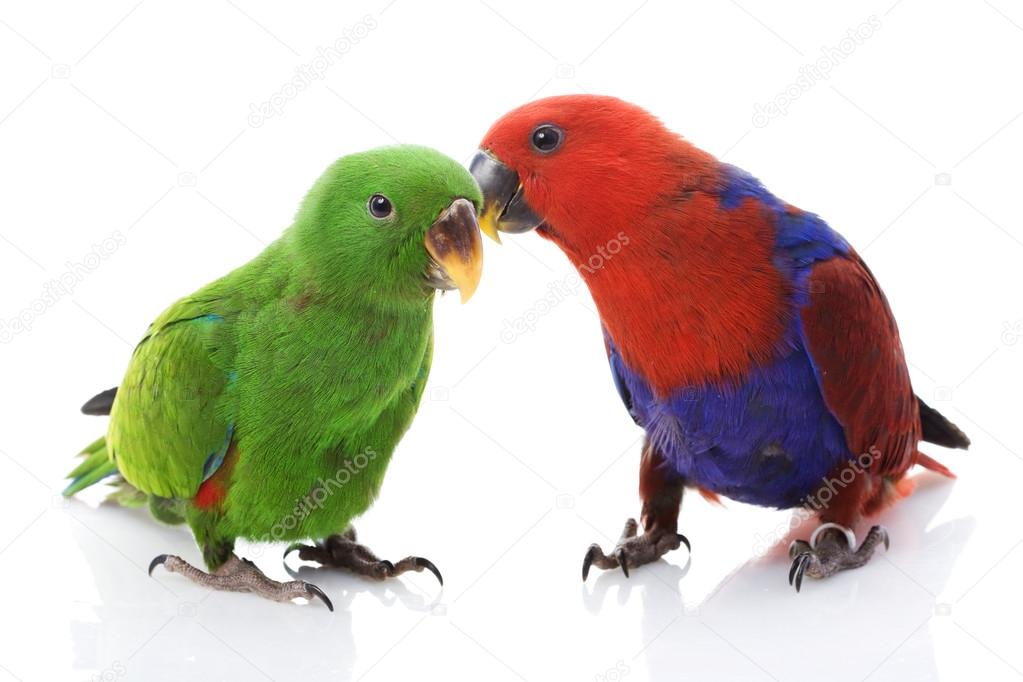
x,y
267,404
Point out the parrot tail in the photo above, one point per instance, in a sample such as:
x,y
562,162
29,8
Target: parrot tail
x,y
100,403
96,466
939,430
932,464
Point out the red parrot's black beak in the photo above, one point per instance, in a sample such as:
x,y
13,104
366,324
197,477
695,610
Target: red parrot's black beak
x,y
504,206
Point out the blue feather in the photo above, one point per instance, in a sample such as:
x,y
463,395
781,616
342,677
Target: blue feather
x,y
767,438
216,459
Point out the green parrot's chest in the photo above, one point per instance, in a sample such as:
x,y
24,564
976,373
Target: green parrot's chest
x,y
317,424
328,490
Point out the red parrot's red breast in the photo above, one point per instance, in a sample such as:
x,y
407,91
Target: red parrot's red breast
x,y
685,286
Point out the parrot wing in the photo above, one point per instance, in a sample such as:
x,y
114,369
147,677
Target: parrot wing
x,y
853,342
171,423
101,403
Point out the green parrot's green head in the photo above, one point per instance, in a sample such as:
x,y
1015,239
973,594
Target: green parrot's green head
x,y
398,222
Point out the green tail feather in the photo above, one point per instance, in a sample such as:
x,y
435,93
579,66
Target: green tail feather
x,y
96,466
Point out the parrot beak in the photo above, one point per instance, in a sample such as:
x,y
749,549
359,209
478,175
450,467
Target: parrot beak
x,y
504,205
456,250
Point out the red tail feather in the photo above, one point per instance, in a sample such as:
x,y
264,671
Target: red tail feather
x,y
932,464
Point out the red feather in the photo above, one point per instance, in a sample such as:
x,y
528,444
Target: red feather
x,y
854,341
632,223
213,490
852,337
691,293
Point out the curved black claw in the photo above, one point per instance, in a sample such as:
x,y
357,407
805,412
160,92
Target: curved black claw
x,y
685,541
798,569
291,548
622,560
591,554
315,591
887,540
157,561
428,565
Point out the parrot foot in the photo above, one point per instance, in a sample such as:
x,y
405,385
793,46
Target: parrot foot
x,y
342,551
832,548
241,575
632,550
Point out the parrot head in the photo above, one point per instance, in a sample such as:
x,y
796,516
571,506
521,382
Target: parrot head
x,y
398,221
576,167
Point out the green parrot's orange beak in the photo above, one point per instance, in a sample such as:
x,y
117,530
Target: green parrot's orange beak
x,y
504,206
454,244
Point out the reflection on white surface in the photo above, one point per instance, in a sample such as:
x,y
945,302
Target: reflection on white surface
x,y
752,625
519,617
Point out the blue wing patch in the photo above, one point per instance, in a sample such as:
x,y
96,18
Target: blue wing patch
x,y
216,459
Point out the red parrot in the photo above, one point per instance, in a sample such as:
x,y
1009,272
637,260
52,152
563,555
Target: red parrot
x,y
745,336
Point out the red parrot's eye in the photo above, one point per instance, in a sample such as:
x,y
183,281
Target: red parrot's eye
x,y
547,138
380,206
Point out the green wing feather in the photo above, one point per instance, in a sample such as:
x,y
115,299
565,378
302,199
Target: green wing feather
x,y
172,417
95,466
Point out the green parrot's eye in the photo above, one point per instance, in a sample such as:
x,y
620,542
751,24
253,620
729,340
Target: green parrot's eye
x,y
380,206
547,138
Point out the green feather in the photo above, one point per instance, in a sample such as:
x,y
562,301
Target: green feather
x,y
95,466
311,359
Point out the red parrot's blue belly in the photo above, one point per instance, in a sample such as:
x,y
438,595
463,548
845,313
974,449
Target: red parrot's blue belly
x,y
767,440
765,437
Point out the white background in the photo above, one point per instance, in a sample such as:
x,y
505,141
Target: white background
x,y
133,119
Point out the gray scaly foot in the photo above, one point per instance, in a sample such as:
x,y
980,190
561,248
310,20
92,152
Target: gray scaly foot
x,y
342,551
832,548
634,550
241,575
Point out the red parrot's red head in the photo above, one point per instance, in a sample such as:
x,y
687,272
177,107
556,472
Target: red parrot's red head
x,y
685,286
580,167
